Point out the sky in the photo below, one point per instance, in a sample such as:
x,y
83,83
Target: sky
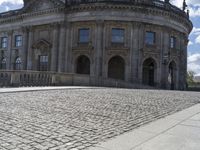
x,y
194,43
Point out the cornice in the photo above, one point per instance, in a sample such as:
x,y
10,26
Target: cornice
x,y
100,6
135,8
20,17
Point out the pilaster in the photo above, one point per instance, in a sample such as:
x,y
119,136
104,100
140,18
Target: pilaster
x,y
9,54
62,40
99,47
54,49
30,49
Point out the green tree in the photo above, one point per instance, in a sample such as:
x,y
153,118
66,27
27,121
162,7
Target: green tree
x,y
190,78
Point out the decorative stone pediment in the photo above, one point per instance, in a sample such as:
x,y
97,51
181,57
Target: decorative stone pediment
x,y
38,5
42,44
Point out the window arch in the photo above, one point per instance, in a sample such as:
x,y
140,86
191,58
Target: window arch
x,y
3,64
18,63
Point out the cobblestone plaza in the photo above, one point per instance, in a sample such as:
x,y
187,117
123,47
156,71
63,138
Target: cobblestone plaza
x,y
76,119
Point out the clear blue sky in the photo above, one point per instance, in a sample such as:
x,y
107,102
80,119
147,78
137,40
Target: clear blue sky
x,y
194,44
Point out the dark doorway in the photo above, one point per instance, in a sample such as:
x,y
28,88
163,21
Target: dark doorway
x,y
83,65
116,68
172,75
149,66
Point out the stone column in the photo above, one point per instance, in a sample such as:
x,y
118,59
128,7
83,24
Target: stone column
x,y
164,59
61,48
25,47
140,42
68,46
99,47
30,49
9,54
134,52
54,49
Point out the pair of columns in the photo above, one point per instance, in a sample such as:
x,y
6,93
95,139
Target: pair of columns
x,y
57,62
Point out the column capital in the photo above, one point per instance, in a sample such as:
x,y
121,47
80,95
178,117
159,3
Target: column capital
x,y
54,25
10,32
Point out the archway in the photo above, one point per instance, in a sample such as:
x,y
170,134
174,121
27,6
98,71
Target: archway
x,y
83,65
172,75
149,72
116,68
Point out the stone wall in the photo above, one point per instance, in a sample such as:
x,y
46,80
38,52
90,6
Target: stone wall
x,y
53,32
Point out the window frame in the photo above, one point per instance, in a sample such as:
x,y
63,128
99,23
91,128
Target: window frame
x,y
85,41
147,41
114,35
18,63
18,42
4,43
172,42
43,63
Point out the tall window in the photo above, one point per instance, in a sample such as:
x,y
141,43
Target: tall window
x,y
118,35
43,63
172,42
150,38
18,63
4,42
18,40
3,64
84,35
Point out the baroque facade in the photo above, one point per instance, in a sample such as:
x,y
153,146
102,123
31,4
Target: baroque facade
x,y
143,42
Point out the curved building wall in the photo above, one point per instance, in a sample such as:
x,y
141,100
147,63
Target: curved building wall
x,y
138,44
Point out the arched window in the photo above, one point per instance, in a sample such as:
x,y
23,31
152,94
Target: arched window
x,y
3,64
18,63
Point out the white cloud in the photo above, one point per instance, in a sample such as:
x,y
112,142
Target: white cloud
x,y
190,43
11,1
194,63
197,40
196,31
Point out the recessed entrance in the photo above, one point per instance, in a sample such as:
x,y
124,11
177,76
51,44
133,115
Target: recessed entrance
x,y
83,65
116,68
172,75
149,67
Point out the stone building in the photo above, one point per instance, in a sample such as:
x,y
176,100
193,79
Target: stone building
x,y
138,41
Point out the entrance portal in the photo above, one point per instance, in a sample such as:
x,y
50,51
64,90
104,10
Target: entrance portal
x,y
149,67
172,75
116,68
83,65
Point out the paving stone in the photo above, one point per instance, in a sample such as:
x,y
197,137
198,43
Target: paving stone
x,y
77,119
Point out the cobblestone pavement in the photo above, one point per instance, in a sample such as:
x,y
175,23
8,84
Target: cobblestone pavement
x,y
80,118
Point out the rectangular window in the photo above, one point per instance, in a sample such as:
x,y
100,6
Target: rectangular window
x,y
84,35
18,40
150,38
172,42
4,42
43,63
118,35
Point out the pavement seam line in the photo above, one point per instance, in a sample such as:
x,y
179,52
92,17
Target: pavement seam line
x,y
166,129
